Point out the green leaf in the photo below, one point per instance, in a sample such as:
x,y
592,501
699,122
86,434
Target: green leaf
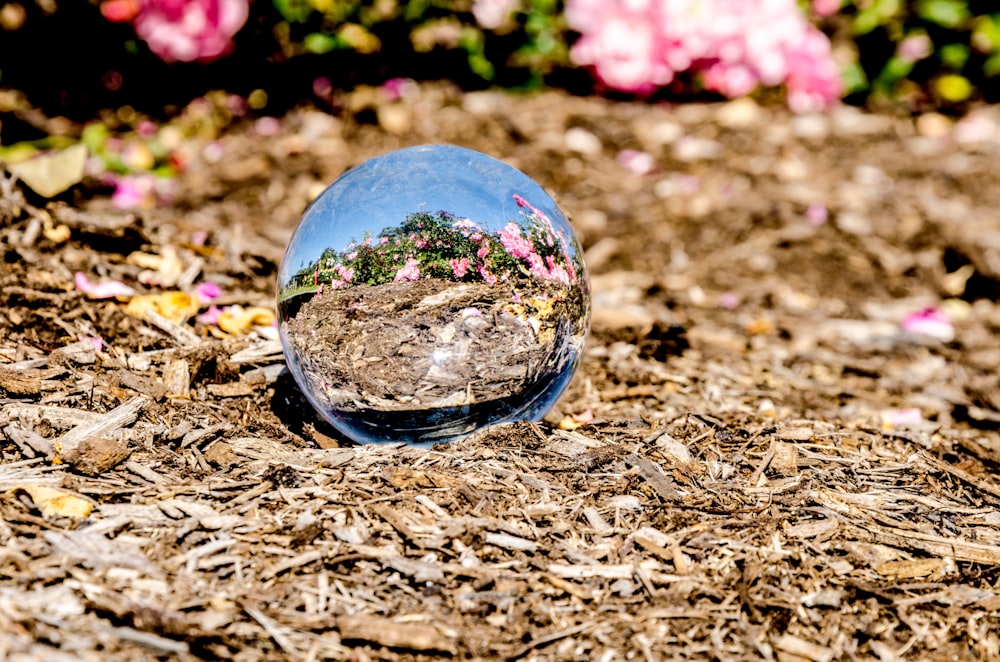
x,y
319,43
895,69
992,66
294,11
854,78
94,136
879,13
946,13
954,55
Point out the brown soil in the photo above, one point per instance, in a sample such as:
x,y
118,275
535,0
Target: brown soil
x,y
741,491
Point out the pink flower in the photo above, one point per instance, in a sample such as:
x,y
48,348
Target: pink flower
x,y
932,322
622,41
557,272
813,80
487,276
639,45
422,243
460,267
190,30
483,251
411,271
514,243
107,290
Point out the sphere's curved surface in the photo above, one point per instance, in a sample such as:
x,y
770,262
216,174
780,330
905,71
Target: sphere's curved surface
x,y
429,292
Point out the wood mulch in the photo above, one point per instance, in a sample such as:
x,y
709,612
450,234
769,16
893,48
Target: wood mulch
x,y
754,461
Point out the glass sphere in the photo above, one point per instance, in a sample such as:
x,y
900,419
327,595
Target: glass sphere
x,y
429,292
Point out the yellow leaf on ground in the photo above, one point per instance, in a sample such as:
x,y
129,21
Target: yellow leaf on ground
x,y
175,306
238,321
55,502
51,174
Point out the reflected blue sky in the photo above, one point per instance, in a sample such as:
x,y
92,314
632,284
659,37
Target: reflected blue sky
x,y
380,192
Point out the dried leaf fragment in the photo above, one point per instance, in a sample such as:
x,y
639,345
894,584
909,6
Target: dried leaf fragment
x,y
55,502
49,175
174,306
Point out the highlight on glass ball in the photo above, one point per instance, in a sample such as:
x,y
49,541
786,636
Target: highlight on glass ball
x,y
430,292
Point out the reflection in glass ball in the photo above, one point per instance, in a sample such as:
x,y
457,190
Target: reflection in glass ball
x,y
429,292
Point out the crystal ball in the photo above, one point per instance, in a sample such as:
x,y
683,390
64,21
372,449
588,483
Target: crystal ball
x,y
429,292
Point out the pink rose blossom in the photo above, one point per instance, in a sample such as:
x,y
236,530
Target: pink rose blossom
x,y
514,243
411,271
487,276
190,30
639,45
460,267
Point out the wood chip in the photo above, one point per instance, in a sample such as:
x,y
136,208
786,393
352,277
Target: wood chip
x,y
392,634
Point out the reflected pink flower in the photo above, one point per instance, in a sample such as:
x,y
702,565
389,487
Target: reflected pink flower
x,y
514,242
460,267
190,30
410,271
487,276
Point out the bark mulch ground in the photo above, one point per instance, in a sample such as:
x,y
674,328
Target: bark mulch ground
x,y
774,469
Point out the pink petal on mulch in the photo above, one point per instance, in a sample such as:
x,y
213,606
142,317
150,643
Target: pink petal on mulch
x,y
896,417
207,291
210,317
932,322
108,290
636,162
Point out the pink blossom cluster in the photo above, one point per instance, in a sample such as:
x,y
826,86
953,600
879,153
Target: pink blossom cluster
x,y
736,45
345,273
460,267
182,30
410,271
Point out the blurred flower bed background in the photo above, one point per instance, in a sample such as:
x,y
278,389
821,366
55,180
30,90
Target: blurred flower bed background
x,y
130,79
